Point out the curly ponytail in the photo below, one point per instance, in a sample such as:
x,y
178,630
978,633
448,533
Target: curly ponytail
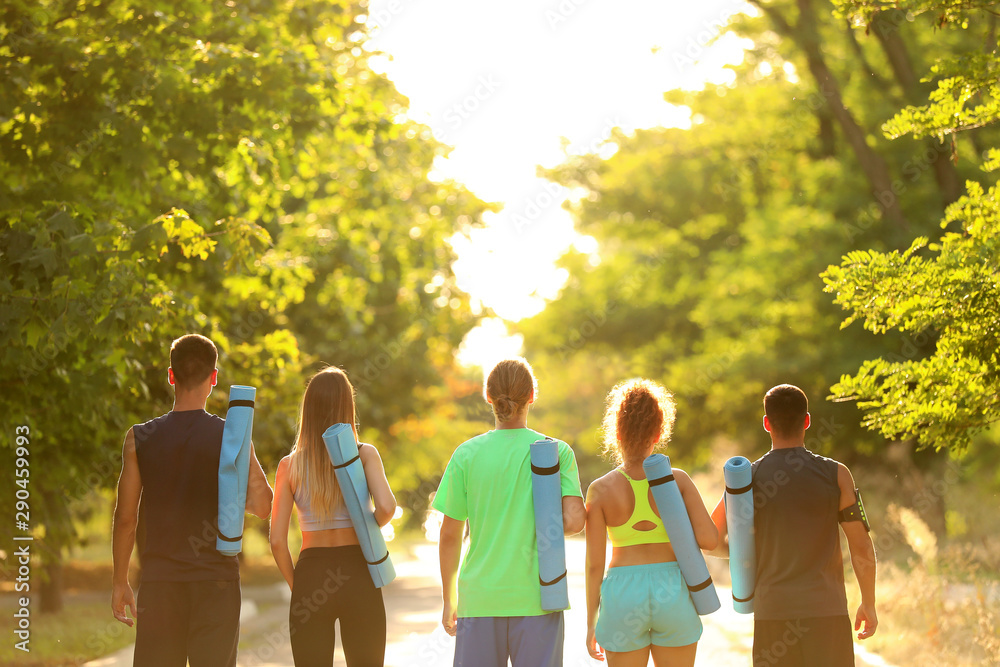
x,y
639,412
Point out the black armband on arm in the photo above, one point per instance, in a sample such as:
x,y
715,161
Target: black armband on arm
x,y
855,512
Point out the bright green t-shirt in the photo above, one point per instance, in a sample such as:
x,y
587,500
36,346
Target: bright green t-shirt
x,y
488,483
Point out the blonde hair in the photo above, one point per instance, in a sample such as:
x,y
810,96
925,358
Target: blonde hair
x,y
509,387
328,400
639,411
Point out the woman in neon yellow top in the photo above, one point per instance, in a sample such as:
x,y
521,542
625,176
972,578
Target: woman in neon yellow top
x,y
642,607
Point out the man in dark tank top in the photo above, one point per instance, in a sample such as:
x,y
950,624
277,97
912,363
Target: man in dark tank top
x,y
188,606
800,602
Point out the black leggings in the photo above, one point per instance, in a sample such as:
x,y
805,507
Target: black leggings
x,y
333,583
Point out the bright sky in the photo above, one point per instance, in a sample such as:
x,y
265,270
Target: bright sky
x,y
505,82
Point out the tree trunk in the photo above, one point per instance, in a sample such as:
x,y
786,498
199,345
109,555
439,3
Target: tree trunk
x,y
805,34
827,133
886,26
50,595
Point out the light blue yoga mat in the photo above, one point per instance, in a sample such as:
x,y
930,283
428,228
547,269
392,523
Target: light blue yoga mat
x,y
343,450
667,496
739,524
234,469
546,495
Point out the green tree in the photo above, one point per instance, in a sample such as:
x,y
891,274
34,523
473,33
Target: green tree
x,y
234,170
948,287
712,239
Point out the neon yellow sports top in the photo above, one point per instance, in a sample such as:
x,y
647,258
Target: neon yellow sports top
x,y
626,535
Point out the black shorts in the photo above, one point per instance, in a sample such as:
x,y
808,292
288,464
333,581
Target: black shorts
x,y
182,621
824,641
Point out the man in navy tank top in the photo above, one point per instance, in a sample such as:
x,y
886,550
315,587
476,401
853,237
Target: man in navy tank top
x,y
188,605
799,498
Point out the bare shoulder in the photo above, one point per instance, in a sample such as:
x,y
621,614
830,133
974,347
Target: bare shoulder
x,y
845,480
602,485
683,479
128,447
368,453
284,463
597,487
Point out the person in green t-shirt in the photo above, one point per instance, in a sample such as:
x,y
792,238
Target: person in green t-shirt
x,y
488,483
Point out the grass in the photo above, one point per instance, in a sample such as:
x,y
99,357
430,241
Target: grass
x,y
927,617
938,598
84,630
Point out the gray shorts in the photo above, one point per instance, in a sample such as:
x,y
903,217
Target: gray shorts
x,y
528,641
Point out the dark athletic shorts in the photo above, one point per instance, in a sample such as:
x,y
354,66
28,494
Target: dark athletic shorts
x,y
181,621
804,642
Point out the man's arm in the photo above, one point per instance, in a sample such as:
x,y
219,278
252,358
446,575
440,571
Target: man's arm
x,y
862,557
721,550
259,494
123,533
450,553
574,515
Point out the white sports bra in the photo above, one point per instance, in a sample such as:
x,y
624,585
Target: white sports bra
x,y
309,521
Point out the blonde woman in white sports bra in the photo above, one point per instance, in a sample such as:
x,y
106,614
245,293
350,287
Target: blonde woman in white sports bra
x,y
330,580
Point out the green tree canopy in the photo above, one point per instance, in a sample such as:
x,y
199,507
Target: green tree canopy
x,y
234,169
948,288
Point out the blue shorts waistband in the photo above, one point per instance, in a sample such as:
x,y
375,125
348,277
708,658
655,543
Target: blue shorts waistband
x,y
645,567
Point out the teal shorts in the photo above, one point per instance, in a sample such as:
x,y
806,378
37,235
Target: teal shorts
x,y
646,604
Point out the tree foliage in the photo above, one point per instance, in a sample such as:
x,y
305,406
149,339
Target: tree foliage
x,y
948,288
712,239
234,169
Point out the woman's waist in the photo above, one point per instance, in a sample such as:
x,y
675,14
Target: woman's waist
x,y
329,537
642,554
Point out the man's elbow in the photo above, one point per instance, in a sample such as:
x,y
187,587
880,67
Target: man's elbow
x,y
124,525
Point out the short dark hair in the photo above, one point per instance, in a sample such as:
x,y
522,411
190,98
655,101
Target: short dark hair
x,y
192,358
786,407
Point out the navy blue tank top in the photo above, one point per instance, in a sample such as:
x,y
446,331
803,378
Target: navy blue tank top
x,y
178,456
800,572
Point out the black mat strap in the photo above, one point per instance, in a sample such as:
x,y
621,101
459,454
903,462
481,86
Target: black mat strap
x,y
230,539
742,489
662,480
347,463
381,560
736,599
702,585
551,470
240,403
554,581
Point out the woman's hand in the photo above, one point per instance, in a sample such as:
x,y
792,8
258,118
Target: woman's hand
x,y
449,619
595,651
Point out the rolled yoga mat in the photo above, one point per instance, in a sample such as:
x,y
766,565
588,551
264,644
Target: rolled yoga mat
x,y
546,495
343,450
234,469
739,524
667,496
